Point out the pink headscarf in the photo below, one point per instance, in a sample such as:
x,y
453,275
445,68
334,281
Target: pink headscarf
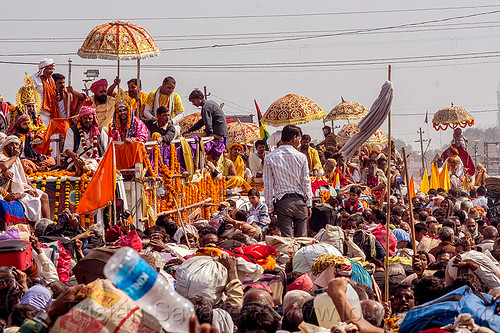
x,y
303,282
97,84
86,111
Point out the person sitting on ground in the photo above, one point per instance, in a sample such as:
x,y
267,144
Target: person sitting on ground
x,y
373,177
160,128
234,155
447,237
34,201
490,235
85,142
259,213
127,127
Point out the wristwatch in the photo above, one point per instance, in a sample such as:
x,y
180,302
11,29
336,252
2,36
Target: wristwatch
x,y
43,316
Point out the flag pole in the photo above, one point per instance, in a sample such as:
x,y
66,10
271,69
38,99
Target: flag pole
x,y
139,106
410,205
68,112
388,202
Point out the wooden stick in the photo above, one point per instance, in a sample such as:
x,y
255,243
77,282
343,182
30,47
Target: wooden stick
x,y
168,212
388,200
410,205
180,220
139,106
69,84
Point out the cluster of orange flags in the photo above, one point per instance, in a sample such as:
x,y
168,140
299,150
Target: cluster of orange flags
x,y
102,187
438,179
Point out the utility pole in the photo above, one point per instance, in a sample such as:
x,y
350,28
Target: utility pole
x,y
422,140
205,92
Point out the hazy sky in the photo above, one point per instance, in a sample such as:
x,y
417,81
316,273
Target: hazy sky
x,y
335,49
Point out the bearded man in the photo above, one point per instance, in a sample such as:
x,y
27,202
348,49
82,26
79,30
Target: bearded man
x,y
30,159
103,104
373,177
132,92
62,93
46,86
85,142
34,201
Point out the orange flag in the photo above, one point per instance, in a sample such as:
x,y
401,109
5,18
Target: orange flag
x,y
56,126
411,188
102,186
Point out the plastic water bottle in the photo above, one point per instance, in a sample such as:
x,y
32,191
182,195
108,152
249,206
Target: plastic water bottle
x,y
132,274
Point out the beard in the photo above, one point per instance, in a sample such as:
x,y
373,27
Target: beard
x,y
101,99
23,130
372,170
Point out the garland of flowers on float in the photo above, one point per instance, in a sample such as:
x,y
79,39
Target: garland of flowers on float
x,y
153,171
325,195
56,203
66,194
77,192
94,151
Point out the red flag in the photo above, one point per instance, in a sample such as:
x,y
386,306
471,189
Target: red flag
x,y
102,186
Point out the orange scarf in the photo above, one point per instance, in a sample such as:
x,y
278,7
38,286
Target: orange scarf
x,y
49,97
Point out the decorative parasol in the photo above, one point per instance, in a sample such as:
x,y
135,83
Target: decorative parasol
x,y
189,121
452,117
118,40
377,138
242,132
292,109
346,110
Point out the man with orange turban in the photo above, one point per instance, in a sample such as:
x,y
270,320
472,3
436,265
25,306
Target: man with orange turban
x,y
103,104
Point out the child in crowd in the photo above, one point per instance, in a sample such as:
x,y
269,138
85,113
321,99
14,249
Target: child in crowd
x,y
352,205
259,214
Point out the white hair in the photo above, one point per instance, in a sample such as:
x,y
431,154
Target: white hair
x,y
295,297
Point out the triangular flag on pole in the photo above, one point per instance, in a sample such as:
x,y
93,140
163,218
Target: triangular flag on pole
x,y
264,134
411,188
336,179
102,186
424,186
434,176
444,178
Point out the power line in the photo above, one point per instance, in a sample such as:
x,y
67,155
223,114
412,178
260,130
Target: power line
x,y
253,35
248,16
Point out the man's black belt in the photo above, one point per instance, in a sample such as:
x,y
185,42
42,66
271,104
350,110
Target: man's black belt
x,y
292,195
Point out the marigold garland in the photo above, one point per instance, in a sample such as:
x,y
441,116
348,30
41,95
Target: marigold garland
x,y
58,194
66,194
44,183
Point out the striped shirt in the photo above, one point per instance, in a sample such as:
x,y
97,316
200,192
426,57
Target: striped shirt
x,y
286,171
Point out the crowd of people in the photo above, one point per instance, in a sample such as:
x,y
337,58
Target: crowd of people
x,y
293,260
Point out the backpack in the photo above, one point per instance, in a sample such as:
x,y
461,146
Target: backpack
x,y
443,310
275,280
366,242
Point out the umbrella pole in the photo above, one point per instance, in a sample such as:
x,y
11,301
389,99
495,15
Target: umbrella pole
x,y
118,74
68,112
139,106
388,204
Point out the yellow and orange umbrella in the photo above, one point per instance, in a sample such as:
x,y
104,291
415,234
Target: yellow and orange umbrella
x,y
377,138
346,110
189,121
292,109
242,133
452,117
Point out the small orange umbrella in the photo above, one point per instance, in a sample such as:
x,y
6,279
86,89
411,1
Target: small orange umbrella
x,y
292,109
452,117
242,133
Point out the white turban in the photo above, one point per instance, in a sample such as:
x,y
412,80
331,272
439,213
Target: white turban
x,y
2,137
45,62
10,139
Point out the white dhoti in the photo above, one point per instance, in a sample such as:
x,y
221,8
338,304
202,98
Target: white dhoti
x,y
32,206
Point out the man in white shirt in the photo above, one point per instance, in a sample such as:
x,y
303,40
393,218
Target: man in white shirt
x,y
481,199
256,159
287,185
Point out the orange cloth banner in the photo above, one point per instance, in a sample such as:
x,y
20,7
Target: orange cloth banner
x,y
411,188
128,154
102,186
56,126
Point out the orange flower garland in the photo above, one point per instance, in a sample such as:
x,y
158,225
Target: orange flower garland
x,y
156,157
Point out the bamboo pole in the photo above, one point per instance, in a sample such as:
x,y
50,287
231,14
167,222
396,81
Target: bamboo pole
x,y
68,106
388,201
168,212
139,106
181,221
118,73
410,205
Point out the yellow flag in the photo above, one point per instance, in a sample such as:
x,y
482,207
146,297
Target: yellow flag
x,y
444,178
434,176
424,186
